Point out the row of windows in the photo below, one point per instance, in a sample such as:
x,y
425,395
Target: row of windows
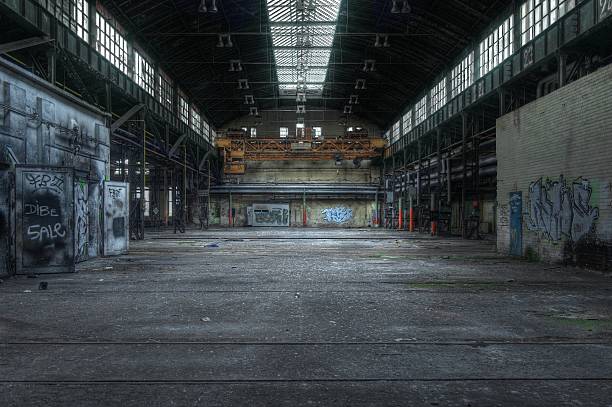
x,y
144,75
395,134
112,45
536,16
317,132
407,122
497,47
72,13
438,96
462,75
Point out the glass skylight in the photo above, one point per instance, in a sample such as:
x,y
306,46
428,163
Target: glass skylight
x,y
302,38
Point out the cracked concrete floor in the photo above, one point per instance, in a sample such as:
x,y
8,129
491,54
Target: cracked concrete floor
x,y
292,317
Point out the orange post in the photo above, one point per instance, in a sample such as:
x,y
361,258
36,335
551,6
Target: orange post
x,y
411,225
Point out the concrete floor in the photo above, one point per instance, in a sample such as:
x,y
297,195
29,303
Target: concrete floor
x,y
262,317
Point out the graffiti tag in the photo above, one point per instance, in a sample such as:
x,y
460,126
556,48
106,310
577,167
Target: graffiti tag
x,y
114,193
44,181
38,232
337,215
605,7
557,209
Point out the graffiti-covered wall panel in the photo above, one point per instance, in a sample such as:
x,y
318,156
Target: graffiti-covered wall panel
x,y
42,125
338,213
45,214
116,218
556,151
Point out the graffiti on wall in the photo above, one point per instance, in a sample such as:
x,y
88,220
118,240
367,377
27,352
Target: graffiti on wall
x,y
605,8
45,197
82,221
271,215
116,218
560,209
337,215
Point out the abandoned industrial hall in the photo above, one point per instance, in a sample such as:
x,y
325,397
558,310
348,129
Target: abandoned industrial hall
x,y
305,203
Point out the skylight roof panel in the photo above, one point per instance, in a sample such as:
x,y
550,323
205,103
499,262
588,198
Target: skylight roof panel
x,y
287,75
316,75
286,57
302,50
318,57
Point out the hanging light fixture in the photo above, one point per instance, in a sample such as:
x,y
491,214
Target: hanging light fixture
x,y
213,6
395,8
406,7
202,8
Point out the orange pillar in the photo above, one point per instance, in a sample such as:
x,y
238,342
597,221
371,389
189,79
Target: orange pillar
x,y
411,224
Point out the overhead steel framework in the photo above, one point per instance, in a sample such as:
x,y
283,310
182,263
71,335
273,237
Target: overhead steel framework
x,y
237,148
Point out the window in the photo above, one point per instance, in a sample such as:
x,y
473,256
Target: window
x,y
166,91
144,75
75,15
213,135
462,76
111,44
498,46
421,111
196,121
205,129
407,122
253,132
396,131
438,96
284,132
317,132
538,15
183,109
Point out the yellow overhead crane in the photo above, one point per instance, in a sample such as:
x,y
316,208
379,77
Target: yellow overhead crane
x,y
237,148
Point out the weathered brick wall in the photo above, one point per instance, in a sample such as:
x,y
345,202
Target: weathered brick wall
x,y
557,151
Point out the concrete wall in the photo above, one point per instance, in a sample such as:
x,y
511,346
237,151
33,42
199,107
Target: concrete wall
x,y
337,212
328,120
557,151
41,125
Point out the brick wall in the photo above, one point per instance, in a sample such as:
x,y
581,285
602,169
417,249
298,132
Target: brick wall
x,y
557,151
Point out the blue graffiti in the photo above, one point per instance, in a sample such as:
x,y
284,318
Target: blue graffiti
x,y
338,215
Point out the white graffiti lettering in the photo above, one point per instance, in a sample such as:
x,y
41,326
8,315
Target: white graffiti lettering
x,y
40,181
605,7
40,210
337,215
557,209
38,232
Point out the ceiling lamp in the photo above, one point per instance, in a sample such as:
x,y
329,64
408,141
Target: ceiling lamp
x,y
249,100
406,7
385,41
243,84
203,9
225,41
235,65
395,8
369,65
